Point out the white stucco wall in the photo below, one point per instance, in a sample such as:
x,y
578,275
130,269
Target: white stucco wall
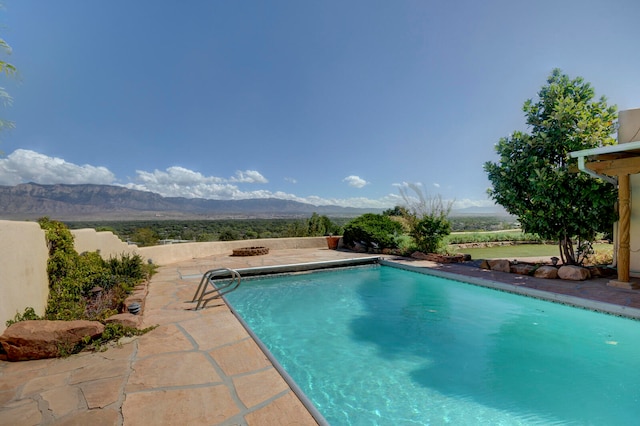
x,y
629,125
629,131
23,269
108,244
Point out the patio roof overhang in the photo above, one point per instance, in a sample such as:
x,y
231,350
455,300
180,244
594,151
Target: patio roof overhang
x,y
614,164
610,161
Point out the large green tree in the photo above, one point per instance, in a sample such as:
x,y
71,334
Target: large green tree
x,y
536,180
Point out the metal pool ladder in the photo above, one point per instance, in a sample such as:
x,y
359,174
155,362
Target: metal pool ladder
x,y
217,290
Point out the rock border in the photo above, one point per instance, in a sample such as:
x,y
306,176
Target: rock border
x,y
250,251
538,270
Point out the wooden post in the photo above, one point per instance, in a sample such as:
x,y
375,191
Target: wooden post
x,y
624,238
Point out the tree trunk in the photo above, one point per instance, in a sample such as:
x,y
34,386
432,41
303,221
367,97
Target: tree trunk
x,y
567,253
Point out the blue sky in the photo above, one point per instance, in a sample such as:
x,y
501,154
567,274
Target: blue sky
x,y
328,102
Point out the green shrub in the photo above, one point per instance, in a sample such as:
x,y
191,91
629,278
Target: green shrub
x,y
28,315
372,230
112,332
84,286
429,232
128,265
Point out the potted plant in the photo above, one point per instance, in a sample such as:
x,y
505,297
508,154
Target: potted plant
x,y
332,241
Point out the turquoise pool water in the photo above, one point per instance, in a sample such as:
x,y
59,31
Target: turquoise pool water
x,y
384,346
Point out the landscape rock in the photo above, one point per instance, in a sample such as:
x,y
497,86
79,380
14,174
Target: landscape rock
x,y
419,255
484,264
125,319
27,340
601,271
500,265
545,271
359,248
573,273
522,269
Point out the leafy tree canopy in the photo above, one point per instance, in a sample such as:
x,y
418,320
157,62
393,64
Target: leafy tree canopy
x,y
532,179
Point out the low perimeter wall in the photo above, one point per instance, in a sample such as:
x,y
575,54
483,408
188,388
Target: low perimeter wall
x,y
24,253
105,242
172,253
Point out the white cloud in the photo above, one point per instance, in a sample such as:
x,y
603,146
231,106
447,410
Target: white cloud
x,y
355,181
466,202
28,166
181,182
23,165
437,185
248,176
290,180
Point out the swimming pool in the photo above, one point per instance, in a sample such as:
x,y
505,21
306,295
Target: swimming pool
x,y
384,346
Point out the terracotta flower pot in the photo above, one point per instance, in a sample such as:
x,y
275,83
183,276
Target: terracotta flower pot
x,y
332,242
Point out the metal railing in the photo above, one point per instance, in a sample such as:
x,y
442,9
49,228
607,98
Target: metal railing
x,y
217,289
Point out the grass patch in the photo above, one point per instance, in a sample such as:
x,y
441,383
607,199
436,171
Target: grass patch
x,y
485,237
525,250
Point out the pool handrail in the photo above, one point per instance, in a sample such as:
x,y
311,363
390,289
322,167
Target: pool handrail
x,y
217,290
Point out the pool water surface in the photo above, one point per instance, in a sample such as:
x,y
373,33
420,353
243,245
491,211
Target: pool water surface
x,y
384,346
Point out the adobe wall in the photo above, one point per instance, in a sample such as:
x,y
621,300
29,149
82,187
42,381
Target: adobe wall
x,y
108,244
23,269
629,131
172,253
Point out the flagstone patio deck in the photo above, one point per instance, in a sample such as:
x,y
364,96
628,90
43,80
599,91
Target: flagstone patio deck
x,y
202,367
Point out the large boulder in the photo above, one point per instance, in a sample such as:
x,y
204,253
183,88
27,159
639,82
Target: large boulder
x,y
573,273
46,339
546,271
500,265
522,269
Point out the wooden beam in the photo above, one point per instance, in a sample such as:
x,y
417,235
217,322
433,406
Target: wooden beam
x,y
619,167
613,156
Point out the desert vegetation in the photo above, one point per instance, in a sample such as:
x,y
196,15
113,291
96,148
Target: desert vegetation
x,y
85,286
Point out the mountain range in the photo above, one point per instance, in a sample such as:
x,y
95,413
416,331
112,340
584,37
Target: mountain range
x,y
29,201
106,202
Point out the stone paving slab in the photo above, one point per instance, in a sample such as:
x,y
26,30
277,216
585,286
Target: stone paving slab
x,y
199,367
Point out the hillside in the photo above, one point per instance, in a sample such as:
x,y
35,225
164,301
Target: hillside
x,y
105,202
